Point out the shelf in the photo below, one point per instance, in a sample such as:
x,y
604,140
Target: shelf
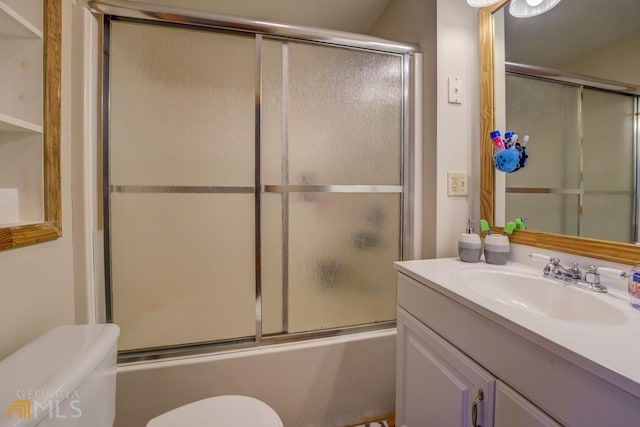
x,y
14,25
30,52
12,124
19,223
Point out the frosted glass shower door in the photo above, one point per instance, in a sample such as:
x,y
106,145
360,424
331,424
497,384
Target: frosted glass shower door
x,y
332,160
609,166
255,185
182,225
549,113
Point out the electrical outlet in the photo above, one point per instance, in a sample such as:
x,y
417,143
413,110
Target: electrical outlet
x,y
457,184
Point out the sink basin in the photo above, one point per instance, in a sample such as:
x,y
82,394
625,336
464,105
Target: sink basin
x,y
540,296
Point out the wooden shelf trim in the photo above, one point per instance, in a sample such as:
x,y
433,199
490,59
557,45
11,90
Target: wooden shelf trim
x,y
51,228
11,237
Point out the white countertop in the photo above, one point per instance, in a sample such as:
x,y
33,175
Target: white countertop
x,y
611,352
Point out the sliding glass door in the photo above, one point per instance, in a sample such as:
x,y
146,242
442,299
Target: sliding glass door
x,y
253,186
332,157
181,170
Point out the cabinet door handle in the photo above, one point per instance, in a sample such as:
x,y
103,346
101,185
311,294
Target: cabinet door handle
x,y
474,409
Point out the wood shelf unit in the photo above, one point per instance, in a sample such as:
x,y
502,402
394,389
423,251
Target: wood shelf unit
x,y
30,36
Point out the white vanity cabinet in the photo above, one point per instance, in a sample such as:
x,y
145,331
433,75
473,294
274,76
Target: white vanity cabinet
x,y
438,385
512,409
535,369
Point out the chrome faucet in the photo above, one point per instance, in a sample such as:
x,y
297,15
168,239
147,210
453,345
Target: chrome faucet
x,y
572,275
555,270
589,280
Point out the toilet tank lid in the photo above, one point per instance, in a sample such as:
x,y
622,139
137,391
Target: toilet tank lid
x,y
52,366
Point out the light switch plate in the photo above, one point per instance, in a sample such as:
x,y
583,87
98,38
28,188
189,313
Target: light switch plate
x,y
455,90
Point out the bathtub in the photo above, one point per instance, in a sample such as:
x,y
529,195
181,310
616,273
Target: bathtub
x,y
324,382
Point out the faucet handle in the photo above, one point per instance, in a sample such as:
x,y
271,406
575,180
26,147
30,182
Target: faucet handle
x,y
614,272
575,270
546,258
552,263
540,257
592,276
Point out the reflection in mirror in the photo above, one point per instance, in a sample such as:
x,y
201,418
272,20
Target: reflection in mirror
x,y
591,37
581,170
581,175
578,118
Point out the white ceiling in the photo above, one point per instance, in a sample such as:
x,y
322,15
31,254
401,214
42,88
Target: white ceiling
x,y
356,16
572,28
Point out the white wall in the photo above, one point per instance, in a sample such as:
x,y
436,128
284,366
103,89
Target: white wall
x,y
458,139
36,282
414,21
446,31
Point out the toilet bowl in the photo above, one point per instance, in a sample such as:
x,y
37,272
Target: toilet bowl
x,y
228,411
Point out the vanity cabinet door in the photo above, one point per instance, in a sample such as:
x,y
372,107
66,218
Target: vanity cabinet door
x,y
512,409
437,384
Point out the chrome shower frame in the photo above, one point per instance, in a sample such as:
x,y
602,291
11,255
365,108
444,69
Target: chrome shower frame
x,y
114,10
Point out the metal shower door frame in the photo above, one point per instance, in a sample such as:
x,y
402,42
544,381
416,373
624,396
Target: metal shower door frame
x,y
122,11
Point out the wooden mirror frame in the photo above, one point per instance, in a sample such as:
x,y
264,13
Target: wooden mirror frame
x,y
624,253
51,228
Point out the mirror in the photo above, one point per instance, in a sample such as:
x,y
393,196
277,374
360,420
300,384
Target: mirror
x,y
570,82
30,134
602,249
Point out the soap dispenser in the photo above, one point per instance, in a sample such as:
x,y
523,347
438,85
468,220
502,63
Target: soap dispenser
x,y
469,245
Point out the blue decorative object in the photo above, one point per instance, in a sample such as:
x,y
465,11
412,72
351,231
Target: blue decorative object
x,y
511,154
507,160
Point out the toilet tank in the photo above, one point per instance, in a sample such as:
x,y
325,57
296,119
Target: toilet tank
x,y
66,377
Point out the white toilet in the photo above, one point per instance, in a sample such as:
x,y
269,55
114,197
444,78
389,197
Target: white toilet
x,y
64,378
228,411
67,378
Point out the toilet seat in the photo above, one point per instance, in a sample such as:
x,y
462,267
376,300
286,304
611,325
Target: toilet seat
x,y
228,411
